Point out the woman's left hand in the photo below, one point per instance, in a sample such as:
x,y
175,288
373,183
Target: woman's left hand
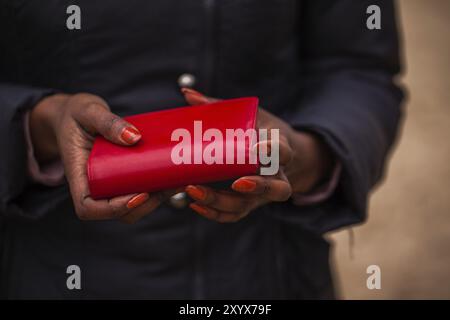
x,y
304,161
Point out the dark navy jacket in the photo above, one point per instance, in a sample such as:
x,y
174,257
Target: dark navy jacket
x,y
313,63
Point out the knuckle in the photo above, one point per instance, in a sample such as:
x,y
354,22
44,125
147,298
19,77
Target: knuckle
x,y
114,124
82,213
244,208
112,121
106,122
115,212
82,97
210,198
91,108
286,194
87,98
288,191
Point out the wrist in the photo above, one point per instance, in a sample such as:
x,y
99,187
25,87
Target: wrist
x,y
312,161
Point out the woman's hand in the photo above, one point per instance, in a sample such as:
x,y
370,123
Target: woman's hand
x,y
304,161
64,126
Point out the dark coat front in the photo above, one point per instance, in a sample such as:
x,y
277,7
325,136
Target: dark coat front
x,y
313,63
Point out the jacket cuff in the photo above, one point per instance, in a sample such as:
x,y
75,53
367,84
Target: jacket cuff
x,y
51,174
321,193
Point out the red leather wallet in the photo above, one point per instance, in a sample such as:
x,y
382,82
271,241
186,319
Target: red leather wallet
x,y
148,166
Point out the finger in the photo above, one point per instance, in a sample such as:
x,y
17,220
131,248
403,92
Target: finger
x,y
74,160
141,211
271,188
220,200
196,98
217,215
96,118
90,209
149,206
285,152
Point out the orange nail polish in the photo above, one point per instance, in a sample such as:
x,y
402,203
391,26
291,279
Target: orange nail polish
x,y
199,209
196,192
130,135
244,185
191,91
194,97
136,201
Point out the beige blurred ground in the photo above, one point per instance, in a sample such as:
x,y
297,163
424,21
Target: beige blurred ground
x,y
408,231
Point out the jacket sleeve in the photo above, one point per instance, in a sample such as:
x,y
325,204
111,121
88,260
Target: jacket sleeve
x,y
14,101
16,97
348,96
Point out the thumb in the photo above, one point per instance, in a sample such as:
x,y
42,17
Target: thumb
x,y
97,118
196,98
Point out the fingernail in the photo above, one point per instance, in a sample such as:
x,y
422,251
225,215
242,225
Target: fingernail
x,y
199,209
191,91
136,201
244,185
196,192
130,135
194,97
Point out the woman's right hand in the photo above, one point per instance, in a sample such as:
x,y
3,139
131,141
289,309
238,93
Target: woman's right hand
x,y
64,126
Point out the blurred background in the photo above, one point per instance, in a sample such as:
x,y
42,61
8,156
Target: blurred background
x,y
408,230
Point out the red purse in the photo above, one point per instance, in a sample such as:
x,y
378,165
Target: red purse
x,y
149,165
